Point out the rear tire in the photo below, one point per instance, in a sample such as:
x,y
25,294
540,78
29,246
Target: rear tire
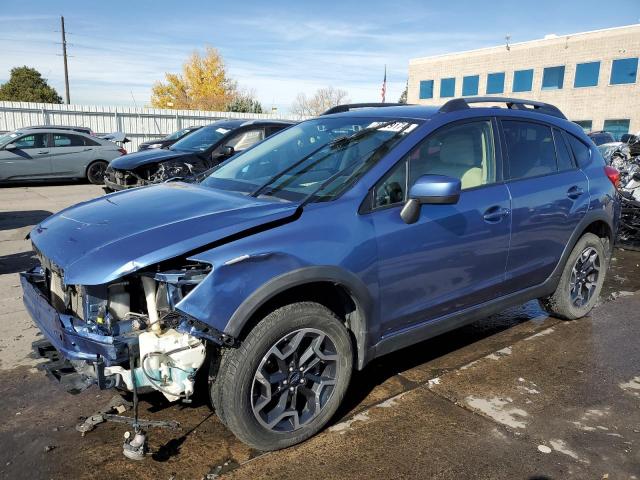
x,y
95,172
287,378
581,280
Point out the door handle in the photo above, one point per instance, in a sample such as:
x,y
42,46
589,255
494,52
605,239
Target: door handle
x,y
574,192
43,153
495,214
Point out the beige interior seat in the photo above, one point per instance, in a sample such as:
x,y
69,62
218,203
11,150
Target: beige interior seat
x,y
458,159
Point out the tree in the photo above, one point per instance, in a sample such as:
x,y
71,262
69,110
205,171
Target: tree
x,y
403,96
27,85
245,102
322,100
203,85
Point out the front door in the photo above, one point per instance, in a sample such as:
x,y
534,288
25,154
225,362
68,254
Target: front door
x,y
28,160
454,256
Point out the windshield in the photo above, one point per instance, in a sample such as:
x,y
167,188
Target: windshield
x,y
201,139
177,135
324,156
601,138
8,137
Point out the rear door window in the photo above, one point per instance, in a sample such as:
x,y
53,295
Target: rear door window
x,y
530,149
64,140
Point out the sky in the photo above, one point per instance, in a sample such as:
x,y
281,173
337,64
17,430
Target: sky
x,y
276,48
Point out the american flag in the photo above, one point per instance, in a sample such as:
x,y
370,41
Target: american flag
x,y
383,91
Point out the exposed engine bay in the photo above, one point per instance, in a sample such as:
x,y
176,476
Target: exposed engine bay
x,y
155,173
138,314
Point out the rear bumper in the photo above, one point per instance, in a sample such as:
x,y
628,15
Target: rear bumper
x,y
66,332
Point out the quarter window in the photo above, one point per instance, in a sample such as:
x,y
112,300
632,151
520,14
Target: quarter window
x,y
587,74
564,157
581,152
522,80
530,148
392,189
495,82
426,89
470,85
553,78
447,87
624,70
617,128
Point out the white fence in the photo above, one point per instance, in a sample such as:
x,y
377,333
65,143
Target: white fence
x,y
139,124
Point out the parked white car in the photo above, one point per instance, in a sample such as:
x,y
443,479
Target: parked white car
x,y
43,154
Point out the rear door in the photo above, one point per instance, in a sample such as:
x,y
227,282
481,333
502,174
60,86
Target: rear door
x,y
550,196
70,155
29,160
454,256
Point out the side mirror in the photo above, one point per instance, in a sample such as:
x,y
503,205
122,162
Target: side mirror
x,y
430,189
11,146
227,151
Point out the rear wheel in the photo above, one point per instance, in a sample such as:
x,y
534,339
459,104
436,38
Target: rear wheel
x,y
287,379
95,172
581,280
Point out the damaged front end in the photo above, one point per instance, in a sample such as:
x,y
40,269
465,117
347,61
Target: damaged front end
x,y
98,329
116,179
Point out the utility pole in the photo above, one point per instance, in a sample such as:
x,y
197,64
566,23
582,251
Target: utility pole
x,y
64,55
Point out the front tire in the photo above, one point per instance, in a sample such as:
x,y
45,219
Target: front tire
x,y
95,172
581,280
287,378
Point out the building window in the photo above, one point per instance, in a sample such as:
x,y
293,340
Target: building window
x,y
585,124
470,85
495,83
522,80
447,87
623,71
617,128
553,78
426,89
587,74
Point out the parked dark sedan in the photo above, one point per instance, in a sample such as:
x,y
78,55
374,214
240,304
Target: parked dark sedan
x,y
194,154
169,139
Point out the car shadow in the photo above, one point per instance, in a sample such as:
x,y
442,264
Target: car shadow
x,y
17,262
45,183
22,218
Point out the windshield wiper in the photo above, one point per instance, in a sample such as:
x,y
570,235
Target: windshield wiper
x,y
339,142
328,181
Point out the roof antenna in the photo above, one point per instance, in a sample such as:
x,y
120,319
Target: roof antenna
x,y
507,39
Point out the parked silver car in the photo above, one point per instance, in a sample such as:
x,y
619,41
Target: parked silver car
x,y
42,154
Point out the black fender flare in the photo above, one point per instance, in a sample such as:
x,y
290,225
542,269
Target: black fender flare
x,y
339,276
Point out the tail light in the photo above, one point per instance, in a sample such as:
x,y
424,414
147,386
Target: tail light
x,y
124,152
613,175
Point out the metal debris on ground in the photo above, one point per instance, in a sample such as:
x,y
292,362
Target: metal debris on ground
x,y
117,404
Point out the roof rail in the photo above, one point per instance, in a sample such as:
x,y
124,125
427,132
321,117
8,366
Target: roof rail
x,y
352,106
512,103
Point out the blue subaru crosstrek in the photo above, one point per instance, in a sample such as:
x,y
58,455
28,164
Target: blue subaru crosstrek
x,y
338,240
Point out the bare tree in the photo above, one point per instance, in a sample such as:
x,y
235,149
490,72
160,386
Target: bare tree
x,y
322,100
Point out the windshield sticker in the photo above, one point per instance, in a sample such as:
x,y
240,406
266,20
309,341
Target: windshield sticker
x,y
394,127
222,130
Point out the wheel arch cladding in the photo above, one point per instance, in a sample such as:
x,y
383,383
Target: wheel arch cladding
x,y
339,290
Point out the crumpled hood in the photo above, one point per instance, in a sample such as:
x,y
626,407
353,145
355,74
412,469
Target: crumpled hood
x,y
101,240
134,160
